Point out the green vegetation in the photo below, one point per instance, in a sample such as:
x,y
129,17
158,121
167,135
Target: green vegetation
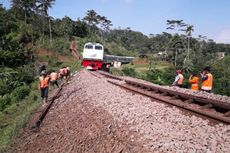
x,y
23,103
30,39
27,43
163,73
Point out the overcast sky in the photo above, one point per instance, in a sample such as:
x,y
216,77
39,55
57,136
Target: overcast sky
x,y
210,18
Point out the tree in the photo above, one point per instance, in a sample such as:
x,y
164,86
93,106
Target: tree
x,y
80,29
189,30
92,18
105,23
63,26
175,25
43,7
27,6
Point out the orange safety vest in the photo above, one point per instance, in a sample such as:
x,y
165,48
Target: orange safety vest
x,y
181,80
44,82
194,83
207,84
53,76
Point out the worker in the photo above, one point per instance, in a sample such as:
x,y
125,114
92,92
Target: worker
x,y
62,72
179,79
207,80
68,72
108,67
194,81
54,78
44,85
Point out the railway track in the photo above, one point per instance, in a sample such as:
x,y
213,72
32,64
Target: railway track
x,y
208,108
44,112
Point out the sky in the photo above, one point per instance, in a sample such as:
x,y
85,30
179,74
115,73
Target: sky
x,y
210,18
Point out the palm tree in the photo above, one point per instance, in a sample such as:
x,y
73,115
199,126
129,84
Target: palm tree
x,y
43,7
189,30
26,5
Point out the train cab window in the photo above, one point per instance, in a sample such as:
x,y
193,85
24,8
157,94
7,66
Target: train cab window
x,y
89,47
98,47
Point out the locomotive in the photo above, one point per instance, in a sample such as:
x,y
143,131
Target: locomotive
x,y
95,59
93,54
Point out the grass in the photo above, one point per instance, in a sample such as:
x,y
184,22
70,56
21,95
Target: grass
x,y
141,69
143,65
13,118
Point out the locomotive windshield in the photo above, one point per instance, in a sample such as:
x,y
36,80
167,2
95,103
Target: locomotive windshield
x,y
98,47
89,47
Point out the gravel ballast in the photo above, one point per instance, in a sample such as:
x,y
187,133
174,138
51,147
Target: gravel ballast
x,y
92,115
199,93
163,128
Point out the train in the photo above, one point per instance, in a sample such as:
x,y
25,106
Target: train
x,y
95,59
93,54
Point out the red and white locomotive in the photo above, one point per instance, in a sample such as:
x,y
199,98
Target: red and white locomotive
x,y
93,54
95,59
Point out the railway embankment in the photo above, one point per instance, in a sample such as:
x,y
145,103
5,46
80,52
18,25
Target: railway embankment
x,y
93,115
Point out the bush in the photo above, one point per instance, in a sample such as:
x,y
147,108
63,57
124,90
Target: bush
x,y
168,76
154,76
21,92
4,102
129,71
116,71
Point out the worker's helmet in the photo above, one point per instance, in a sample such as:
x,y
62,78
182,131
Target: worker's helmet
x,y
178,71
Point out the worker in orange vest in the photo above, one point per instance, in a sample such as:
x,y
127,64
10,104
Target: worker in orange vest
x,y
179,79
194,81
44,85
207,80
54,78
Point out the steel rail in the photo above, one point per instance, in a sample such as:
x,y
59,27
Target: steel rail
x,y
110,75
47,108
188,106
194,98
